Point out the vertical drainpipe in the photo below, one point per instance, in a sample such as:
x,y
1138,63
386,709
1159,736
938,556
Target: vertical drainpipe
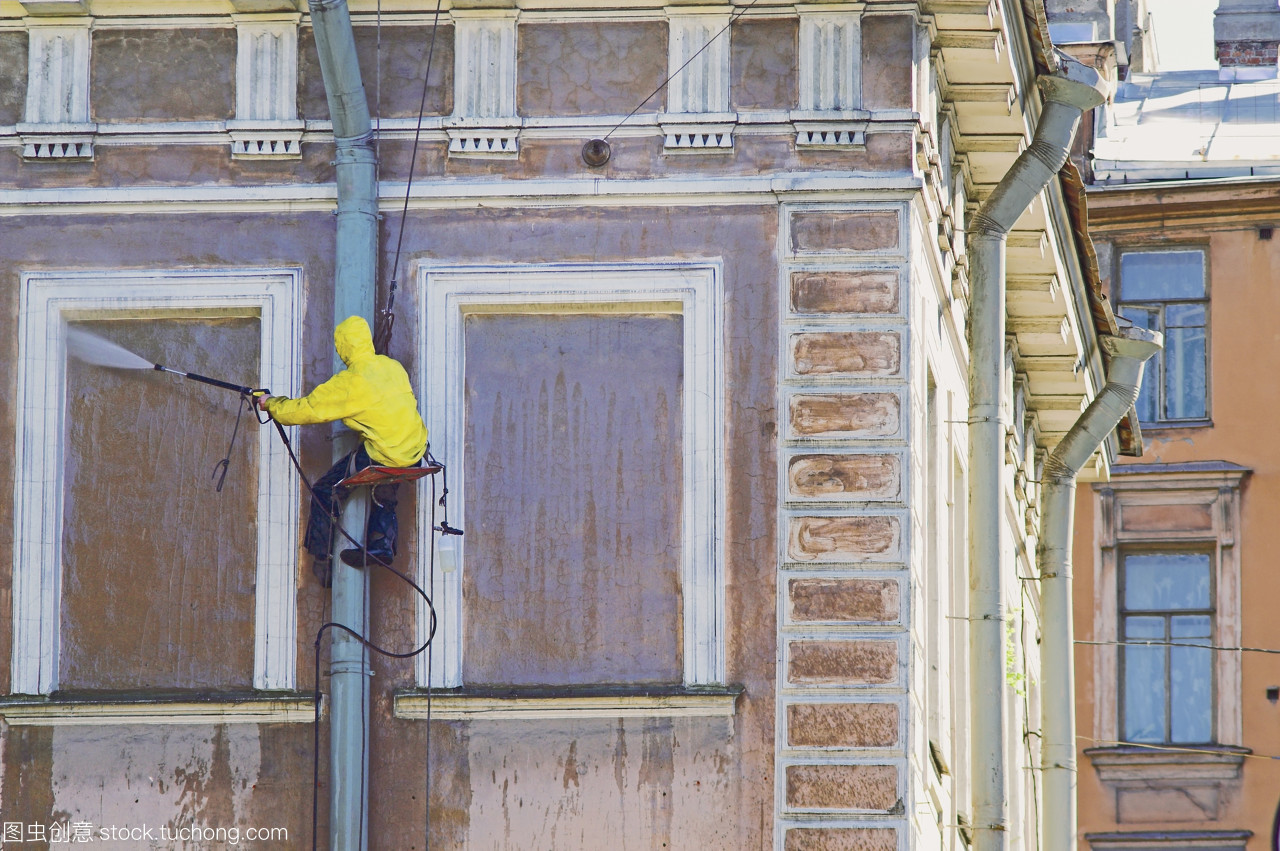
x,y
1066,94
355,270
1057,713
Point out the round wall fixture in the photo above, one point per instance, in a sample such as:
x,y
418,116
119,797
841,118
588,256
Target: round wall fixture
x,y
595,153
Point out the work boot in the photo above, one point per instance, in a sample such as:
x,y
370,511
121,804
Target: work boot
x,y
358,558
323,570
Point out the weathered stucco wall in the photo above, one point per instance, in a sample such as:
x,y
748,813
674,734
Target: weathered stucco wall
x,y
159,566
573,476
403,63
162,74
763,64
589,69
13,70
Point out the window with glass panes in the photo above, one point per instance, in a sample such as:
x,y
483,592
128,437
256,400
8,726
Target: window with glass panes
x,y
1166,622
1165,291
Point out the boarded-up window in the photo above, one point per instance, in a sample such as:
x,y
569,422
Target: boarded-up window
x,y
158,567
573,498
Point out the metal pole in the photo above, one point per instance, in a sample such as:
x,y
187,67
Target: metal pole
x,y
355,271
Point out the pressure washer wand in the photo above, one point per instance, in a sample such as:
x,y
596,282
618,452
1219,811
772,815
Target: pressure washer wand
x,y
225,385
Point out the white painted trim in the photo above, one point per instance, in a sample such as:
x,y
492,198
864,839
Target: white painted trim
x,y
449,194
45,298
452,707
270,710
695,289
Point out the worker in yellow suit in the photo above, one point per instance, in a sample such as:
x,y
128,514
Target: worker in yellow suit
x,y
372,397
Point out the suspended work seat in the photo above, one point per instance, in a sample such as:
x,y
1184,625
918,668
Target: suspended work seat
x,y
375,475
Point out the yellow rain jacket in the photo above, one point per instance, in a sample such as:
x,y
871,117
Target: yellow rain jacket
x,y
372,397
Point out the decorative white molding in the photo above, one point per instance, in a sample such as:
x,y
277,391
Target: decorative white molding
x,y
516,707
830,61
46,298
484,141
831,134
695,291
56,121
830,113
266,123
277,140
680,133
484,121
698,95
252,710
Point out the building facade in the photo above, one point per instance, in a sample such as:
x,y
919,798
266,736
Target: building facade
x,y
1176,694
705,409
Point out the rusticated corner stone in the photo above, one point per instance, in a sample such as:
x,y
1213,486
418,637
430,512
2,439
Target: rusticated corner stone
x,y
852,414
861,353
843,539
842,839
863,600
869,477
848,231
870,291
843,787
842,725
858,662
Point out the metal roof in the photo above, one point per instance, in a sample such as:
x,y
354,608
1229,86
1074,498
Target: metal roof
x,y
1184,125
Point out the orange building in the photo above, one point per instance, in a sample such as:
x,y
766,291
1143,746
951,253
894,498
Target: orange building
x,y
1178,693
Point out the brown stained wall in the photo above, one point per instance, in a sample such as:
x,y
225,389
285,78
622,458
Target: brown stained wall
x,y
403,63
163,75
705,778
762,64
887,44
184,776
1243,300
13,70
158,566
573,495
590,69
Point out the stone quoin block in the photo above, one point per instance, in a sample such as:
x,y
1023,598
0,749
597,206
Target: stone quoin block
x,y
843,539
861,353
842,725
842,839
851,414
865,477
822,231
870,291
830,599
860,662
843,787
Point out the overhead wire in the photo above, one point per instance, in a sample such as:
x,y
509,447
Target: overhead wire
x,y
732,19
1228,649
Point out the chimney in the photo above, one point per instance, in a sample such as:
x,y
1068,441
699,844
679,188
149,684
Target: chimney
x,y
1246,34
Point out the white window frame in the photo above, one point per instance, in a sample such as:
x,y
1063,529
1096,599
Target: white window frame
x,y
47,300
692,290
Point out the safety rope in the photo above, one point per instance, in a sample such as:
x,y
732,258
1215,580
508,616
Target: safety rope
x,y
385,321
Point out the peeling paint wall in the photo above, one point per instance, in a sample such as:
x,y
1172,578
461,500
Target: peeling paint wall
x,y
158,566
573,489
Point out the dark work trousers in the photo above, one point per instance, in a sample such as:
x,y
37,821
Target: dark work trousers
x,y
327,503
